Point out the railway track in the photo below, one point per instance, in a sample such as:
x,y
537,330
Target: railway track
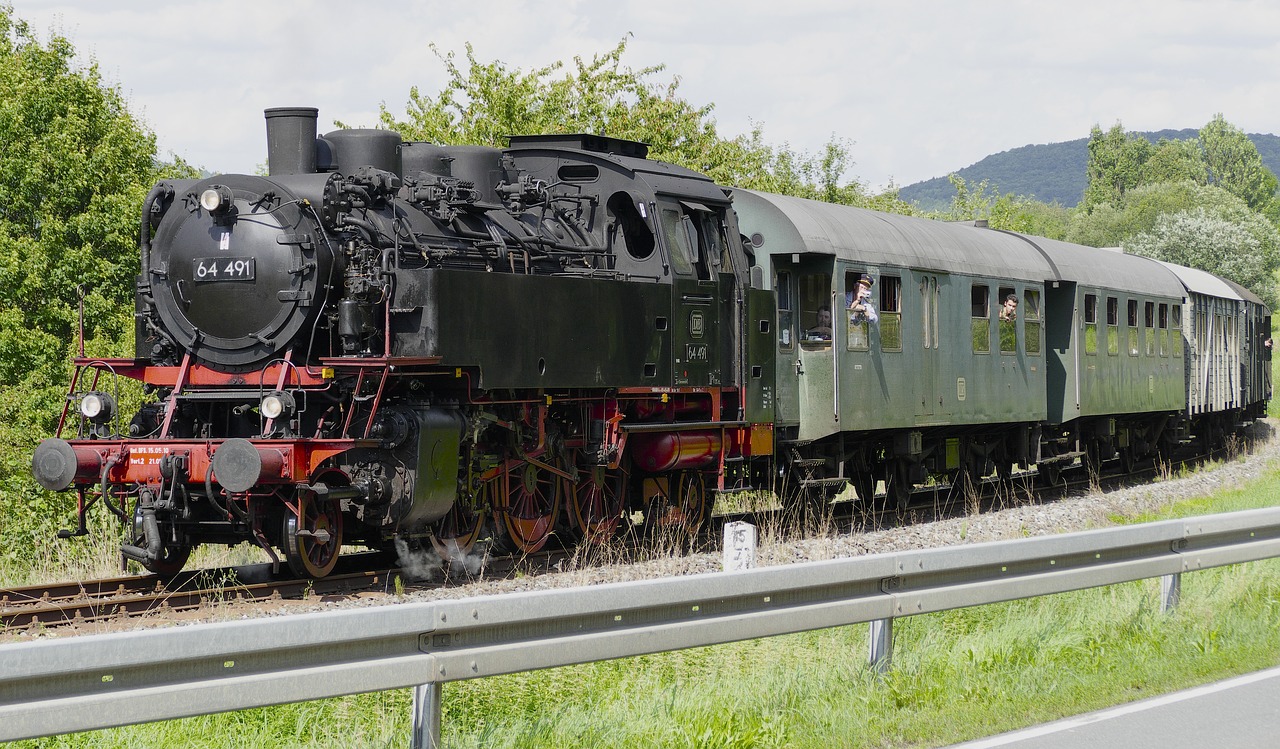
x,y
85,602
71,604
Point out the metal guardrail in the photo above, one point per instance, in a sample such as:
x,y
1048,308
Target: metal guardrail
x,y
98,681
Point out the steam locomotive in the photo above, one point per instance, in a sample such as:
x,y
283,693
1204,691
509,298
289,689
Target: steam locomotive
x,y
388,339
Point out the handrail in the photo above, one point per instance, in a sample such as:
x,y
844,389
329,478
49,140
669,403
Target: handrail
x,y
100,681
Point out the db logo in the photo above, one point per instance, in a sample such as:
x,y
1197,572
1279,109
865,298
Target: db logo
x,y
696,326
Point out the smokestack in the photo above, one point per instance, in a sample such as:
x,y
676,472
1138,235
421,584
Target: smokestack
x,y
291,140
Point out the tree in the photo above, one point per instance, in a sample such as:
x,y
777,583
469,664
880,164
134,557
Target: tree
x,y
1173,161
1011,212
1233,163
74,169
1199,239
484,102
1115,164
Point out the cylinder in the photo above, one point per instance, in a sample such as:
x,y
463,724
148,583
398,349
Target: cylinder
x,y
291,140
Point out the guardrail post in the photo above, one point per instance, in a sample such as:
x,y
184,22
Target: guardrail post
x,y
426,715
1170,592
739,546
881,637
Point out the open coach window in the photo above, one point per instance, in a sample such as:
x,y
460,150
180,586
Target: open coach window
x,y
1008,321
1031,321
980,304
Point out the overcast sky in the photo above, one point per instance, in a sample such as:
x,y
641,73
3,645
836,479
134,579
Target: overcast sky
x,y
920,87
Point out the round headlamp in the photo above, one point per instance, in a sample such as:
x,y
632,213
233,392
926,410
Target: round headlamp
x,y
276,404
97,407
216,199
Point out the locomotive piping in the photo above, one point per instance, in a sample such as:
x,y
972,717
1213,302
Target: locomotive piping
x,y
144,232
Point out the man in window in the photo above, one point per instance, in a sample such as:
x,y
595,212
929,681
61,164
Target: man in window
x,y
1009,312
862,308
822,330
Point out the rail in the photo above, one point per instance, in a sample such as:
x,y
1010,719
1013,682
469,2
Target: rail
x,y
99,681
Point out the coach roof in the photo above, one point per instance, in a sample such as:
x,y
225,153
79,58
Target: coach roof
x,y
784,225
1107,269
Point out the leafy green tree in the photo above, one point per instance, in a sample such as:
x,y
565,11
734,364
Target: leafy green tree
x,y
482,103
74,168
1173,161
1200,239
1011,212
1116,160
1233,163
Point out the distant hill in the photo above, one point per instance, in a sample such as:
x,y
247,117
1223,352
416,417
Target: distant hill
x,y
1049,172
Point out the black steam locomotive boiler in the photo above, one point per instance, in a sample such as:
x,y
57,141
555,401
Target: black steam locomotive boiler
x,y
386,338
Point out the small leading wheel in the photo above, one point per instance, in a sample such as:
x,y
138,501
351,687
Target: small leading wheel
x,y
527,514
454,535
312,535
686,507
595,504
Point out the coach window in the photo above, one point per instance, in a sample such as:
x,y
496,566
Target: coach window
x,y
1132,319
980,302
1008,325
859,336
1091,323
890,313
1149,327
1176,325
786,337
1164,329
815,310
1113,326
1031,321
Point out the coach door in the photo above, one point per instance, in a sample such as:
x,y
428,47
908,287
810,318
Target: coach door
x,y
694,253
932,402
